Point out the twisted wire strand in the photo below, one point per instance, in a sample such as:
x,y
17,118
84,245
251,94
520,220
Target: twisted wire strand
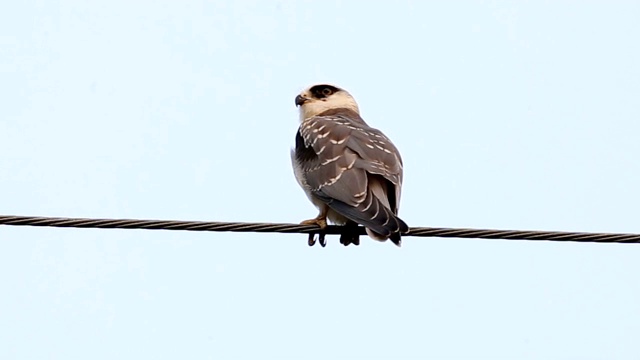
x,y
308,229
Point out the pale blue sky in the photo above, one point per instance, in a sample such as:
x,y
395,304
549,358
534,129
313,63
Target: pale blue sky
x,y
513,115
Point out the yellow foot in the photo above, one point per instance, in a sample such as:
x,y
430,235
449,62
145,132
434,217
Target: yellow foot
x,y
319,222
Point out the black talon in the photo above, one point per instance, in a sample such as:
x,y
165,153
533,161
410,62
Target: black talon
x,y
312,239
323,241
350,234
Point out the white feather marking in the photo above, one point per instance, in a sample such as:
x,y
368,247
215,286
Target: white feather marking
x,y
338,142
368,206
322,136
332,180
388,218
322,149
376,214
387,151
369,146
328,161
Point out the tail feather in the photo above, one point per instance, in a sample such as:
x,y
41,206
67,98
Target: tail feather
x,y
380,188
371,214
374,213
396,239
394,236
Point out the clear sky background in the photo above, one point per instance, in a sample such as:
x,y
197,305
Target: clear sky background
x,y
510,115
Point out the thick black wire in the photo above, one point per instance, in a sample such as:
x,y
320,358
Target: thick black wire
x,y
307,229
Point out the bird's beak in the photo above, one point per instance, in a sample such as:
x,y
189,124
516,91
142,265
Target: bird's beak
x,y
300,100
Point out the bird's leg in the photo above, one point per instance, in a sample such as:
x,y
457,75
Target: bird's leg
x,y
350,234
320,220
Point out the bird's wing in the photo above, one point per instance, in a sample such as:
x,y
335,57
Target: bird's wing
x,y
353,168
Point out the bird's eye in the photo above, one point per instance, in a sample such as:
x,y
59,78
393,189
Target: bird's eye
x,y
327,92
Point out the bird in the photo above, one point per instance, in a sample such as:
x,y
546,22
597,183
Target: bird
x,y
349,170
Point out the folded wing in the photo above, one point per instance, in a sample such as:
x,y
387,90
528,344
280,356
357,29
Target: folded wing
x,y
354,169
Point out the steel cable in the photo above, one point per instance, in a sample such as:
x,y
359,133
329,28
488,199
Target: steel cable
x,y
308,229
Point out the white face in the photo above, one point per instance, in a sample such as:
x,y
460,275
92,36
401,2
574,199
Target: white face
x,y
317,99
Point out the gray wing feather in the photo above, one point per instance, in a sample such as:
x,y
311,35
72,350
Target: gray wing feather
x,y
354,169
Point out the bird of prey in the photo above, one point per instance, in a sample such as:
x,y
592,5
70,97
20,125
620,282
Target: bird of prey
x,y
349,170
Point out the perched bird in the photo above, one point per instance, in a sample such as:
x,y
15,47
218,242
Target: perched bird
x,y
349,170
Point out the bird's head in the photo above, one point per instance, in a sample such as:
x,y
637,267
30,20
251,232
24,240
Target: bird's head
x,y
317,99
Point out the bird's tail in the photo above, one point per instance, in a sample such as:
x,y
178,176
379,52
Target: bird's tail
x,y
374,214
393,225
394,236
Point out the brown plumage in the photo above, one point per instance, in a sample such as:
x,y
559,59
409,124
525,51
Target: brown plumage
x,y
349,170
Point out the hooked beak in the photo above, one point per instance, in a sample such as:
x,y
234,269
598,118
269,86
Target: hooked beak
x,y
300,100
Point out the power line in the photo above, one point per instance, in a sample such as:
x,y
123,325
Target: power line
x,y
308,229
